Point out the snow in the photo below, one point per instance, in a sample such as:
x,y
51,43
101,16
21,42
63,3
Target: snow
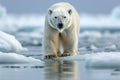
x,y
16,58
103,60
8,43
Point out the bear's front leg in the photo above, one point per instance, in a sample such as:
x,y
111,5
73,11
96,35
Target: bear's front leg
x,y
50,49
50,46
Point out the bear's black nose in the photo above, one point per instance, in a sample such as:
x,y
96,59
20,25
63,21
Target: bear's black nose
x,y
60,25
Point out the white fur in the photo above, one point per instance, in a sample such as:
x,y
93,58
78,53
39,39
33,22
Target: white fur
x,y
68,36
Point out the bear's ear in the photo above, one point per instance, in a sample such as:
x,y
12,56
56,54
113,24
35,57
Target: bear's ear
x,y
50,11
70,11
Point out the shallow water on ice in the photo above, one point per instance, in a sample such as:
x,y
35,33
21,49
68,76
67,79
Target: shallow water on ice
x,y
66,70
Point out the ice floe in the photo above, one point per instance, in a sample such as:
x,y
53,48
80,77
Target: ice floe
x,y
8,58
8,43
116,12
103,60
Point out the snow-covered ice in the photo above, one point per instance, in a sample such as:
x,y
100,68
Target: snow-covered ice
x,y
103,60
8,43
16,58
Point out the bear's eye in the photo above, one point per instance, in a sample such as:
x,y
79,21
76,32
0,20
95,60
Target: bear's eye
x,y
64,16
55,17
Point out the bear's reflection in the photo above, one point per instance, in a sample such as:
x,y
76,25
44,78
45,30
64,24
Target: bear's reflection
x,y
61,70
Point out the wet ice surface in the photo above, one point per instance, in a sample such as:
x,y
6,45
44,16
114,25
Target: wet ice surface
x,y
68,70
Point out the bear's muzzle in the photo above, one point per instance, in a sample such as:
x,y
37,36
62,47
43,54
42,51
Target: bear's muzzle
x,y
60,25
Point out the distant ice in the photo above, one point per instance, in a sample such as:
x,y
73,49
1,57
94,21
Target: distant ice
x,y
15,22
103,60
116,12
91,34
3,12
18,23
8,43
102,21
99,21
28,29
16,58
32,38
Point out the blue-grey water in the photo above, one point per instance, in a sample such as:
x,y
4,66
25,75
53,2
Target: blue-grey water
x,y
67,70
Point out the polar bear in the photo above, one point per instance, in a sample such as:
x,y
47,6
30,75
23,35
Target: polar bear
x,y
61,31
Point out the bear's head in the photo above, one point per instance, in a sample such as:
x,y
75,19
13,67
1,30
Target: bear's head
x,y
60,19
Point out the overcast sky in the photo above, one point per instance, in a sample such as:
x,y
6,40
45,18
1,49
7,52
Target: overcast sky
x,y
41,6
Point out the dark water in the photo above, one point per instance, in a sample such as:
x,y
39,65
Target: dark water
x,y
67,70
